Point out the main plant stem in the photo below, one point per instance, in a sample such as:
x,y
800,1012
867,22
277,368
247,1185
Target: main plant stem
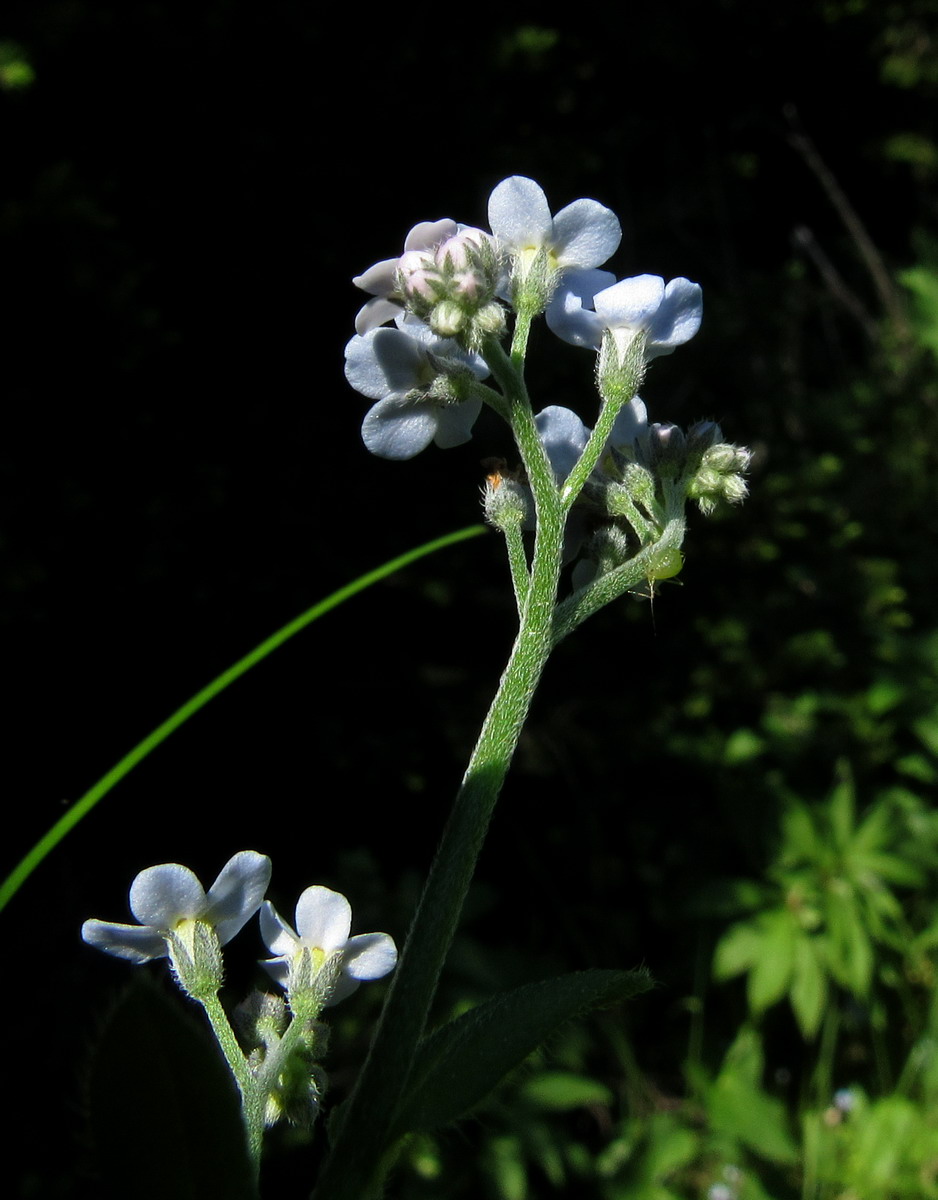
x,y
361,1154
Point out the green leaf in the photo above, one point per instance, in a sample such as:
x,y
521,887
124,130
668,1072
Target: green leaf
x,y
741,746
460,1063
165,1114
506,1163
842,813
736,951
883,1152
851,952
772,969
801,840
874,831
741,1111
808,993
558,1091
927,730
671,1148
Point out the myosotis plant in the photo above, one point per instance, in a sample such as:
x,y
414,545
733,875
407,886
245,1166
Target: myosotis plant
x,y
589,511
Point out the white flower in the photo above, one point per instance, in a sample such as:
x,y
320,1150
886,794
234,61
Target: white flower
x,y
323,921
381,279
163,898
419,381
584,234
588,303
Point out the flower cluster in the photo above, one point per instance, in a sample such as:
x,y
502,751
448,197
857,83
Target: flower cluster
x,y
179,919
443,295
279,1073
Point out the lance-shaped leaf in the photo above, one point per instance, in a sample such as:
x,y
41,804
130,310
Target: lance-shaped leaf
x,y
461,1062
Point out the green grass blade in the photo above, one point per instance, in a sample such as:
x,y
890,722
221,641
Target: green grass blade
x,y
84,804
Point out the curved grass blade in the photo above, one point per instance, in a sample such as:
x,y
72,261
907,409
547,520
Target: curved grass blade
x,y
84,804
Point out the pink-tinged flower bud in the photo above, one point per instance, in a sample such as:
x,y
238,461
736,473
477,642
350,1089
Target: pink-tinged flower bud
x,y
455,252
418,276
466,284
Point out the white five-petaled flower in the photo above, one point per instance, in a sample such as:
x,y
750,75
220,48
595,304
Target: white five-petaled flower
x,y
323,921
417,378
382,279
588,303
165,897
584,234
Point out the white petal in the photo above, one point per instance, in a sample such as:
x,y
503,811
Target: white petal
x,y
679,316
564,437
375,313
277,968
398,429
519,214
630,424
631,303
370,956
384,362
586,234
236,894
161,896
454,423
569,314
139,943
323,918
278,936
379,279
429,234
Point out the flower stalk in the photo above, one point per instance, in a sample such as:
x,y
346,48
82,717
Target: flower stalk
x,y
359,1157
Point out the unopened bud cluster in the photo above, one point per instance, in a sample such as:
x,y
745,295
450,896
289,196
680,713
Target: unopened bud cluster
x,y
720,477
452,287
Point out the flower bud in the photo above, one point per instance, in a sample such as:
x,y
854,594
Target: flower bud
x,y
506,501
703,435
447,318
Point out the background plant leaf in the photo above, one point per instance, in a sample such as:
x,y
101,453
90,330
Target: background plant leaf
x,y
165,1113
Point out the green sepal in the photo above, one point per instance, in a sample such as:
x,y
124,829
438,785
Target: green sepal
x,y
461,1062
164,1111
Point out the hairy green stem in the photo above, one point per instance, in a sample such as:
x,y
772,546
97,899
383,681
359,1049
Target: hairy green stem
x,y
617,392
252,1096
361,1154
518,564
583,603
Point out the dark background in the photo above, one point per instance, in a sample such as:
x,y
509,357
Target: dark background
x,y
187,191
